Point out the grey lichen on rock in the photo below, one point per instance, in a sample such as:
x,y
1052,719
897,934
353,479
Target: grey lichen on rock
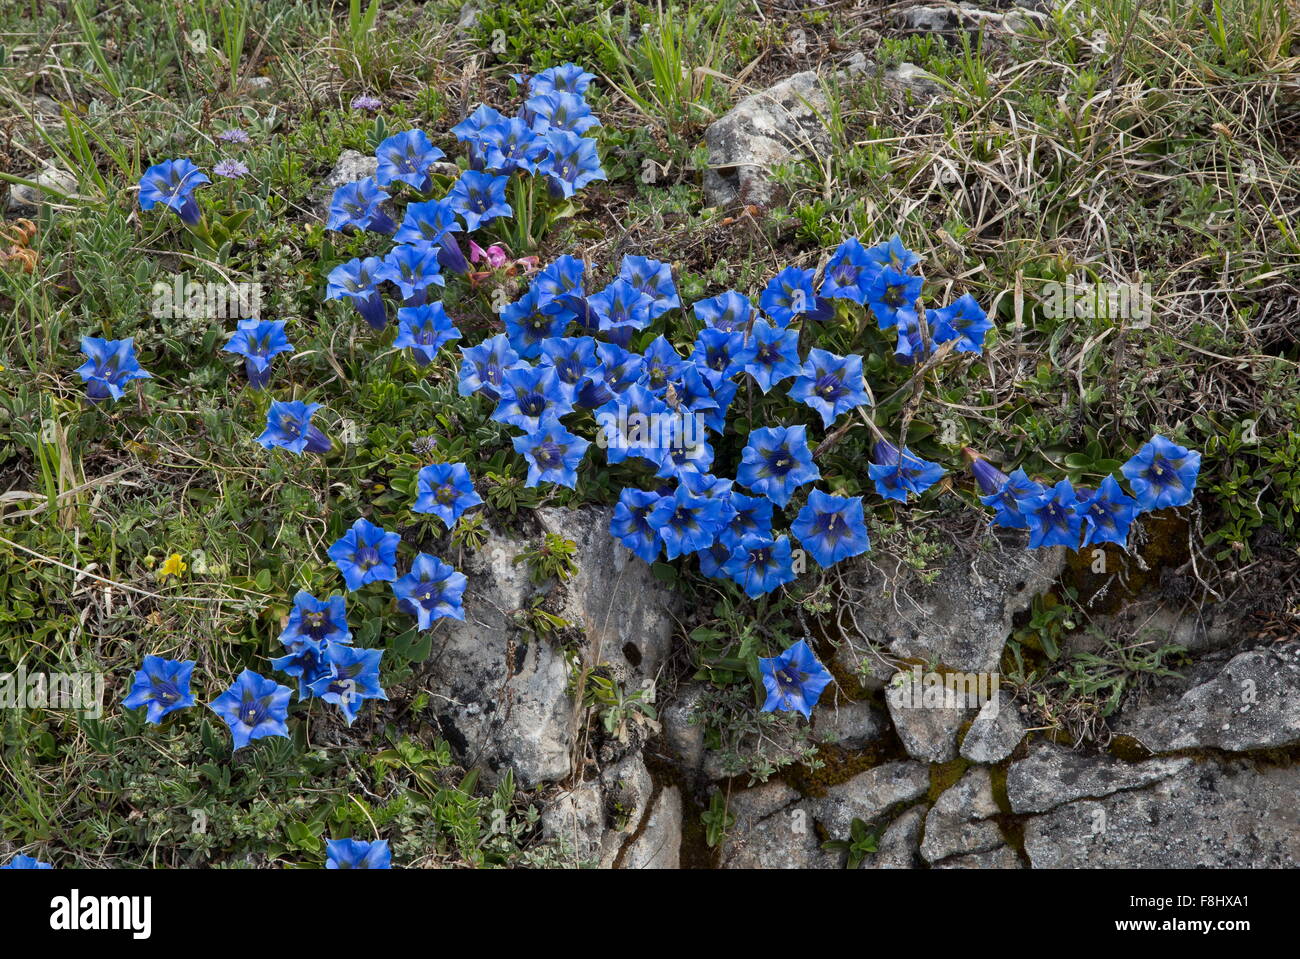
x,y
960,820
927,716
1252,702
870,794
1052,775
774,829
995,732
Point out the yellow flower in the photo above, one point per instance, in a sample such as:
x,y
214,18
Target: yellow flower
x,y
174,566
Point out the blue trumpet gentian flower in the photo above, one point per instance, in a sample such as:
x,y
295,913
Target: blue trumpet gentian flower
x,y
446,490
631,525
891,291
775,354
794,680
1162,473
573,163
654,279
353,678
424,330
896,474
552,453
1053,518
529,394
258,341
316,620
479,198
163,685
357,854
428,222
432,590
831,528
366,553
406,157
254,707
26,862
759,564
1107,514
483,367
686,522
358,280
109,364
776,461
289,426
726,311
358,206
830,384
172,184
790,295
849,272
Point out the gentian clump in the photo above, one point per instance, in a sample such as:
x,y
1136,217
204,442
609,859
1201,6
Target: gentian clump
x,y
432,590
317,620
529,394
794,680
891,291
573,163
483,367
686,522
307,661
849,273
163,685
528,323
366,553
254,707
654,279
110,364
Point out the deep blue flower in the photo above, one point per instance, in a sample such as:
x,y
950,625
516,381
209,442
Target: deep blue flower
x,y
428,222
406,157
562,275
529,394
254,707
574,359
794,680
412,268
776,461
573,163
687,452
775,356
110,364
566,78
893,254
353,678
446,490
831,528
655,280
912,345
621,368
479,198
895,475
714,558
163,685
553,454
789,295
358,205
470,131
849,272
963,321
621,308
528,323
258,341
1107,514
357,854
483,366
316,620
631,526
366,553
451,256
687,523
424,330
307,661
512,145
432,590
25,862
890,292
358,280
1006,494
752,517
726,311
689,390
720,354
1053,519
289,426
830,384
172,184
559,111
716,418
1162,474
633,424
661,364
759,564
